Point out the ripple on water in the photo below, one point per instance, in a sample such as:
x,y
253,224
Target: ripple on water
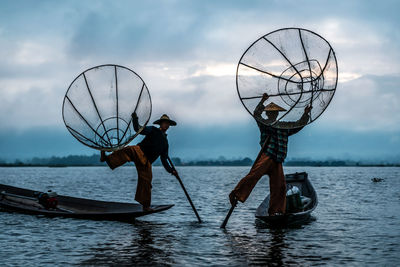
x,y
355,223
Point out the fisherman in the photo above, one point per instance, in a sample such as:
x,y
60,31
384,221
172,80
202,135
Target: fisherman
x,y
271,159
154,145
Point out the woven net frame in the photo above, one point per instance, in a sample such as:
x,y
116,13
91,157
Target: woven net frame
x,y
98,104
296,68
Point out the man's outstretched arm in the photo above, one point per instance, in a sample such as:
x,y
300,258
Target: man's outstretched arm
x,y
165,163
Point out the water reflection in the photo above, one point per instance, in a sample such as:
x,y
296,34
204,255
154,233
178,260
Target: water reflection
x,y
139,246
277,244
266,248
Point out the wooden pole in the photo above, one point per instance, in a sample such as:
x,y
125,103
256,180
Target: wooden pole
x,y
223,225
184,190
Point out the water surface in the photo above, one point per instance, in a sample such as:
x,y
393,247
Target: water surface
x,y
357,221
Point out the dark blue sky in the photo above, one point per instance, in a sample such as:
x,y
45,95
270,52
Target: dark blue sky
x,y
187,52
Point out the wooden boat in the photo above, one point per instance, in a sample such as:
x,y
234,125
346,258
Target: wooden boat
x,y
25,201
301,181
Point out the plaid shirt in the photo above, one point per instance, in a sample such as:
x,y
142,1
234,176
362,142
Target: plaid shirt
x,y
277,145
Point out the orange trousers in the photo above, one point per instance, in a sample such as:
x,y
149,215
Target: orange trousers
x,y
143,167
277,183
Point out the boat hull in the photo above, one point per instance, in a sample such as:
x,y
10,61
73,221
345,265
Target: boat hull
x,y
21,200
306,189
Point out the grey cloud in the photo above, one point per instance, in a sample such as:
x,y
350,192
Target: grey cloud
x,y
186,35
368,103
142,34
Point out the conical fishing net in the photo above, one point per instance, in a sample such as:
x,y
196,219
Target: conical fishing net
x,y
296,68
98,105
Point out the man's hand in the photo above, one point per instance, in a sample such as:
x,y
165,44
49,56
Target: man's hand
x,y
174,172
265,97
307,109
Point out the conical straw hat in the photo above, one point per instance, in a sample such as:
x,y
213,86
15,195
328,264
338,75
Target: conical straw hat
x,y
165,118
273,107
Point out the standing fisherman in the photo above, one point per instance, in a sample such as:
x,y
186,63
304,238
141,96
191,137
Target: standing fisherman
x,y
271,159
154,145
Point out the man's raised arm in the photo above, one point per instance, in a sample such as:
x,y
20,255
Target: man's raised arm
x,y
137,126
295,126
260,108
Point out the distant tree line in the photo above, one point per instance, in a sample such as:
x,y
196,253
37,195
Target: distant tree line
x,y
318,163
94,160
217,162
71,160
337,163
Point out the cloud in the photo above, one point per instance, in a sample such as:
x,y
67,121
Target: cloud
x,y
368,103
196,100
187,53
30,53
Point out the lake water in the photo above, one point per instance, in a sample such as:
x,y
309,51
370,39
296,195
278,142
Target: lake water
x,y
357,221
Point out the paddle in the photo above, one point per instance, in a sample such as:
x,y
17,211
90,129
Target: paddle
x,y
184,189
234,204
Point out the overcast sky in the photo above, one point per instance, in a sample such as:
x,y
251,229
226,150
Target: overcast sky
x,y
187,53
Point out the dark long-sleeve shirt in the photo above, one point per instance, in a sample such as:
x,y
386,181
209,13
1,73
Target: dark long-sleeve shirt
x,y
154,145
277,145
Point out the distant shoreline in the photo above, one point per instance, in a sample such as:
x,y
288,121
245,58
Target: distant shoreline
x,y
94,161
11,165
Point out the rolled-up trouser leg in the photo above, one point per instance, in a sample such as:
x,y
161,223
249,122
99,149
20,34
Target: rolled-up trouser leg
x,y
120,157
143,167
277,185
246,185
